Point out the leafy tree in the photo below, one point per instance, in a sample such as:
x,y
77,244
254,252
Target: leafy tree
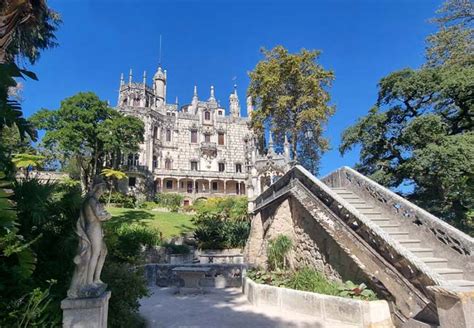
x,y
27,161
81,129
29,27
113,175
421,130
290,94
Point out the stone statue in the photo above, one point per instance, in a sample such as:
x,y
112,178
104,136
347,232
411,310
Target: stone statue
x,y
92,250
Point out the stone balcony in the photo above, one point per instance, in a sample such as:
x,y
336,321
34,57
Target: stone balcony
x,y
163,173
209,148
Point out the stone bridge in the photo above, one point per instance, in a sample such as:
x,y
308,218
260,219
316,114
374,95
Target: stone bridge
x,y
351,228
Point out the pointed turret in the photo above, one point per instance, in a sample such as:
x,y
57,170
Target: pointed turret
x,y
159,86
234,103
212,96
270,143
144,78
130,77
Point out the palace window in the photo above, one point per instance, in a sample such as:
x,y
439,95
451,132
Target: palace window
x,y
220,113
194,136
168,135
168,164
169,184
155,162
132,181
215,186
221,167
207,116
194,166
155,132
207,138
220,138
238,168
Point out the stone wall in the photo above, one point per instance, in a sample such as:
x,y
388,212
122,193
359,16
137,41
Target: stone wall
x,y
312,246
332,310
220,275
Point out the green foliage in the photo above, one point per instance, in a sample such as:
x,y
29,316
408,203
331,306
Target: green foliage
x,y
121,200
177,249
127,285
420,131
10,110
290,94
277,251
349,289
34,31
85,129
309,280
126,240
170,201
214,232
231,207
33,310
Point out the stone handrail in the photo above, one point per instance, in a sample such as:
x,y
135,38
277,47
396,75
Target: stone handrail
x,y
396,205
410,266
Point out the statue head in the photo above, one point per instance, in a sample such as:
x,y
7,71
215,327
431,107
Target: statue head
x,y
98,189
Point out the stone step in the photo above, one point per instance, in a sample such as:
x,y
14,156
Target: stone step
x,y
343,192
421,252
368,212
364,206
410,242
380,220
391,227
399,235
435,262
450,274
354,201
462,283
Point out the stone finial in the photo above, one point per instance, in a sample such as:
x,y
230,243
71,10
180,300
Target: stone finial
x,y
249,105
144,77
130,77
235,89
212,97
122,82
195,91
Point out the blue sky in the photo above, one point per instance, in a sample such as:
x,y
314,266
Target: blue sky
x,y
211,42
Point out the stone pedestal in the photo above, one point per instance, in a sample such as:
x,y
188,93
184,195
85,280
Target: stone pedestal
x,y
455,306
86,312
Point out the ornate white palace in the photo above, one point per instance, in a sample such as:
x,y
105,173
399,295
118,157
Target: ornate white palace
x,y
196,149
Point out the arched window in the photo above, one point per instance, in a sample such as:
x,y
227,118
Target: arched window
x,y
155,132
168,164
168,135
130,160
207,116
155,162
136,160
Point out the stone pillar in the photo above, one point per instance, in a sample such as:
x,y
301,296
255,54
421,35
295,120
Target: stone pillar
x,y
455,306
86,312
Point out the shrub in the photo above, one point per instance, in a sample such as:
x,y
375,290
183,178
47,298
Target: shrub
x,y
349,289
170,201
213,232
232,207
277,251
121,200
125,241
177,249
127,285
310,280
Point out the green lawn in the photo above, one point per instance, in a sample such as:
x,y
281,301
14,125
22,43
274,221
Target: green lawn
x,y
170,224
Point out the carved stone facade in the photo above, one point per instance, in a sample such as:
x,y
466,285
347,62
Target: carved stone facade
x,y
195,149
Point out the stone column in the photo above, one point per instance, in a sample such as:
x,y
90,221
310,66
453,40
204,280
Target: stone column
x,y
86,312
455,306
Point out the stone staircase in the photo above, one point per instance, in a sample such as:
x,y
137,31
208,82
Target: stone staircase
x,y
409,240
